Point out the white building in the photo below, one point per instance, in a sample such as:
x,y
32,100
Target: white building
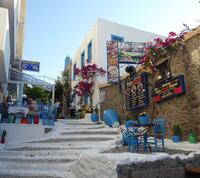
x,y
12,79
12,13
94,49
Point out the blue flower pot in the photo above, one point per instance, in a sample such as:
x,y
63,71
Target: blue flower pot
x,y
176,139
110,118
94,117
143,120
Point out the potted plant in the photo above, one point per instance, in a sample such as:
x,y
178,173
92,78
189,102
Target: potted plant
x,y
177,133
191,137
94,115
127,118
143,118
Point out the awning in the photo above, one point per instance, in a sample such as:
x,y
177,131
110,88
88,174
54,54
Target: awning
x,y
16,76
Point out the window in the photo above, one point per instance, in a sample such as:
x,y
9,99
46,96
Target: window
x,y
74,71
82,59
163,69
90,52
117,38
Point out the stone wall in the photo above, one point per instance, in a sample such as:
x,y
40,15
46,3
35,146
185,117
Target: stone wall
x,y
164,168
114,100
183,109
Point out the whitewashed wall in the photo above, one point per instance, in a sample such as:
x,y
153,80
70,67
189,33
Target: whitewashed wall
x,y
4,45
107,28
100,34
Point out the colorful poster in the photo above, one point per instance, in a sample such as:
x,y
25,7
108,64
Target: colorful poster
x,y
112,62
136,92
130,52
169,89
30,65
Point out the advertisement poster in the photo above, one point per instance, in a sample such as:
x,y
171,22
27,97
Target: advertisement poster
x,y
136,92
112,62
130,52
30,65
169,89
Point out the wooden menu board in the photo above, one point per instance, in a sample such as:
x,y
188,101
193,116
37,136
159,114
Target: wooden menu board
x,y
169,89
136,92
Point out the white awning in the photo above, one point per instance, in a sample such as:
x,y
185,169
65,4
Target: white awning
x,y
16,76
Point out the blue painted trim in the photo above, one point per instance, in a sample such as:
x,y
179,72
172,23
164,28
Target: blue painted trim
x,y
117,38
89,48
82,59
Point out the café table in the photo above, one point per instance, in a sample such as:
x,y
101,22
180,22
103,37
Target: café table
x,y
18,109
143,131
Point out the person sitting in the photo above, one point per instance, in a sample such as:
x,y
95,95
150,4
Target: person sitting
x,y
31,105
4,109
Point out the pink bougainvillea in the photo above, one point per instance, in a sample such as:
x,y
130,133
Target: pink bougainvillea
x,y
89,70
87,74
161,47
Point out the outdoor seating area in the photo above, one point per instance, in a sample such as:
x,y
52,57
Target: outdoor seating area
x,y
144,134
20,114
22,123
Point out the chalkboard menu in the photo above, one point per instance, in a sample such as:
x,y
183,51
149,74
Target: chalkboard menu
x,y
169,89
136,92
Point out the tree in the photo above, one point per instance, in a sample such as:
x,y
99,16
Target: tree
x,y
59,89
37,93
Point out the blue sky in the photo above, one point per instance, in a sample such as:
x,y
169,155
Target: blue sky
x,y
55,28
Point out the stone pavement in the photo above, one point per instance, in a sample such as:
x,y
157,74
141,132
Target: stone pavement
x,y
51,158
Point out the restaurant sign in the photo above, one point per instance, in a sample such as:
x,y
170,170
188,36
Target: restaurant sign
x,y
112,62
169,89
30,65
130,52
136,92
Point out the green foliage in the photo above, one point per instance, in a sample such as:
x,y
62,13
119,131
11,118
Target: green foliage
x,y
59,89
96,110
191,132
128,117
37,93
177,130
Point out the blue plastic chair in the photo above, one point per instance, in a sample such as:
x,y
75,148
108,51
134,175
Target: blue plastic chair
x,y
130,136
133,140
130,123
159,133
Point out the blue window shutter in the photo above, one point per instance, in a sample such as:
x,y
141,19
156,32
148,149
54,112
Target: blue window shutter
x,y
117,38
90,52
82,59
74,73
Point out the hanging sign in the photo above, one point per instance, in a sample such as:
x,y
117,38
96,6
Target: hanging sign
x,y
169,89
136,92
112,62
30,65
130,52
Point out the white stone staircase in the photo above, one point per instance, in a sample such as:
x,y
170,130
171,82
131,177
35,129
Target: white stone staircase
x,y
52,157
